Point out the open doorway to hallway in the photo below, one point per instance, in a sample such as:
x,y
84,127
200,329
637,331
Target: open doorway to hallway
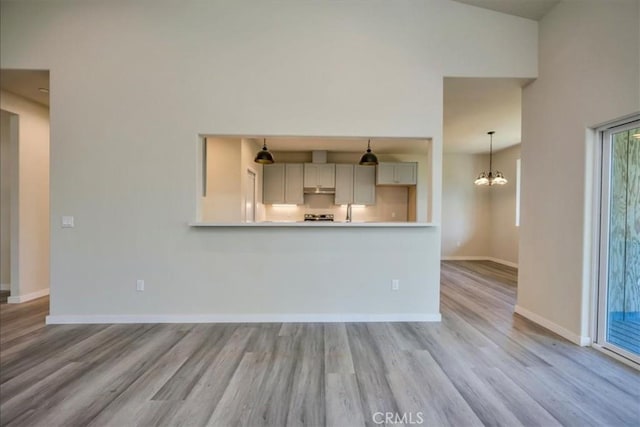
x,y
24,185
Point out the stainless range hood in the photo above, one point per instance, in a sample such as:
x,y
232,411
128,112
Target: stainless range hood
x,y
319,190
319,156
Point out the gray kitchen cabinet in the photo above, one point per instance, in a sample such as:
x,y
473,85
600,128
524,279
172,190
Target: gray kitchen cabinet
x,y
399,173
355,184
273,183
364,185
282,183
344,184
293,189
319,175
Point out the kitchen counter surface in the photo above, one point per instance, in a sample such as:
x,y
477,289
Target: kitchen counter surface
x,y
319,224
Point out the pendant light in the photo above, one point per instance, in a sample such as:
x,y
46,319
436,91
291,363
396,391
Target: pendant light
x,y
264,157
368,158
490,179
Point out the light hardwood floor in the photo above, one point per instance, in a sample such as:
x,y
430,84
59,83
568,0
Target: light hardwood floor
x,y
481,365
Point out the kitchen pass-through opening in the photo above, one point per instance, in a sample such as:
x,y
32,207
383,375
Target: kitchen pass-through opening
x,y
315,179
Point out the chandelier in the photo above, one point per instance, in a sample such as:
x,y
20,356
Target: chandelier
x,y
489,178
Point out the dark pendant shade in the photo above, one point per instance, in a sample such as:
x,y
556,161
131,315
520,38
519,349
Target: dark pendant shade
x,y
368,158
264,157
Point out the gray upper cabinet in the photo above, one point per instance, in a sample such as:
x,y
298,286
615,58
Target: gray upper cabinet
x,y
344,184
364,185
355,184
400,173
293,189
319,175
283,183
273,183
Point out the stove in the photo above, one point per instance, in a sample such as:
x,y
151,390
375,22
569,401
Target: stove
x,y
318,217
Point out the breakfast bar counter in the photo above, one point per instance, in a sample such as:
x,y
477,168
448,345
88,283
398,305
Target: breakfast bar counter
x,y
314,224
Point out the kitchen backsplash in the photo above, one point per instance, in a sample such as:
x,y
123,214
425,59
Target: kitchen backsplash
x,y
392,205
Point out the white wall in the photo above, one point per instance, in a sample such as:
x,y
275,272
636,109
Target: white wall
x,y
589,74
127,107
466,223
504,239
226,173
5,201
222,202
30,274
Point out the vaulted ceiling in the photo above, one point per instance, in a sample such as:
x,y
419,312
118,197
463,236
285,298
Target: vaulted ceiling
x,y
531,9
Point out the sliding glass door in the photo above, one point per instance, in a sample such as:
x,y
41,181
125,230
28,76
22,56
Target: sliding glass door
x,y
619,293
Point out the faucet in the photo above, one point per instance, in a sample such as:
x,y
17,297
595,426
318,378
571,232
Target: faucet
x,y
349,212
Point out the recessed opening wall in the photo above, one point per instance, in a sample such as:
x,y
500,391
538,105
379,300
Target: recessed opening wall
x,y
124,142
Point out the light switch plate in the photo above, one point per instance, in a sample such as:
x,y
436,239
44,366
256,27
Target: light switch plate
x,y
67,222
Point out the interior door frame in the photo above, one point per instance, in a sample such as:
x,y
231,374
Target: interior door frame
x,y
13,153
255,194
602,204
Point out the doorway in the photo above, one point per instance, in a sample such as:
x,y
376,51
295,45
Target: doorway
x,y
24,210
468,151
8,200
618,317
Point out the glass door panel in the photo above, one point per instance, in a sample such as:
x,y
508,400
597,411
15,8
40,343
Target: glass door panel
x,y
622,318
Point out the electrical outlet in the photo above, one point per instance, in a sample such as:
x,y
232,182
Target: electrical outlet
x,y
395,284
67,222
140,285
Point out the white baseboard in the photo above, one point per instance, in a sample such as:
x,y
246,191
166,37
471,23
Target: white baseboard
x,y
503,262
5,286
243,318
480,258
553,327
464,258
28,297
